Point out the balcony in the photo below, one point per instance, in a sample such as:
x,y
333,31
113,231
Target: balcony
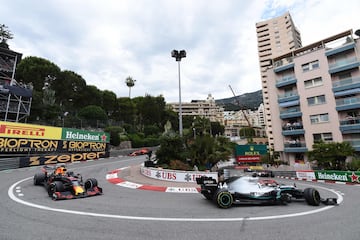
x,y
347,103
342,65
350,125
284,67
355,143
287,97
340,49
346,86
297,147
293,129
285,81
294,112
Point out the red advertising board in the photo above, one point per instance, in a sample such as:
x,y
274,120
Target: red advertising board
x,y
248,158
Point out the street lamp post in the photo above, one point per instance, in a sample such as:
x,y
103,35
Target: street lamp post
x,y
178,55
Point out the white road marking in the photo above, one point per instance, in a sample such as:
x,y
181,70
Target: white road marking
x,y
18,200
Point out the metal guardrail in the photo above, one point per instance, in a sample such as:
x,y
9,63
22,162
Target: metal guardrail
x,y
9,163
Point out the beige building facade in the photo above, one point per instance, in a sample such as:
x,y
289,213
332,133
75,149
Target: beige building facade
x,y
315,95
203,108
275,37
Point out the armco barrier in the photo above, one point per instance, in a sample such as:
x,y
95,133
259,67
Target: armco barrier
x,y
9,163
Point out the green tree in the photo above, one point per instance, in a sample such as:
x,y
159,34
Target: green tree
x,y
206,151
109,103
217,129
114,134
201,126
69,87
125,111
247,132
91,95
5,35
93,115
331,155
37,71
150,110
171,148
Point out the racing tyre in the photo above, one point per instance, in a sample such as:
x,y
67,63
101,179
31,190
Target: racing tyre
x,y
90,183
39,178
223,198
56,186
312,196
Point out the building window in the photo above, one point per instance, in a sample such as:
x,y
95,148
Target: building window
x,y
327,137
317,100
319,118
313,82
310,66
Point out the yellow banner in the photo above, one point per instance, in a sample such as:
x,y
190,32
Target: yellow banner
x,y
22,130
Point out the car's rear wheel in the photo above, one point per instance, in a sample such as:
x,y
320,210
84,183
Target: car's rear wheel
x,y
223,198
39,178
312,196
90,183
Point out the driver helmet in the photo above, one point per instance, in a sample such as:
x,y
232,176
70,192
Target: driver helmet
x,y
60,170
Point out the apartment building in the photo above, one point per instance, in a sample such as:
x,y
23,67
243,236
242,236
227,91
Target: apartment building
x,y
203,108
235,120
315,95
275,37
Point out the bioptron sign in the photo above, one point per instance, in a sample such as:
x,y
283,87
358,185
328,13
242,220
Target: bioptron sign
x,y
63,144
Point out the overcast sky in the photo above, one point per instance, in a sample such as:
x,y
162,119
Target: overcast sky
x,y
107,41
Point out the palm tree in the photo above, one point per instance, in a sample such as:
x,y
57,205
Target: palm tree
x,y
130,82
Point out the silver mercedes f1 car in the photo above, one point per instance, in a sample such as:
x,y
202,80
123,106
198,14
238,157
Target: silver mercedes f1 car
x,y
251,189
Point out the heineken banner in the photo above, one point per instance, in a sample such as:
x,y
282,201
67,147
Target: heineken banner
x,y
38,145
339,176
21,130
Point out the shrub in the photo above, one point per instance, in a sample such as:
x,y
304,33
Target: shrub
x,y
179,165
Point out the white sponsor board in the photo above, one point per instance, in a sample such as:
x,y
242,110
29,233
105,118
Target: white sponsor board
x,y
308,175
174,175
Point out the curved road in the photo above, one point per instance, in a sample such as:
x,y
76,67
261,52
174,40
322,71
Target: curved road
x,y
124,213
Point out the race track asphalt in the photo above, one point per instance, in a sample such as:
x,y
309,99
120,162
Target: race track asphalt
x,y
130,213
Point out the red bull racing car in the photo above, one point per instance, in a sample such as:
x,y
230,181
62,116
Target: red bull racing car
x,y
251,189
61,184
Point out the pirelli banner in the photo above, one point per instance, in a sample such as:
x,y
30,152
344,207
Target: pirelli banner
x,y
40,145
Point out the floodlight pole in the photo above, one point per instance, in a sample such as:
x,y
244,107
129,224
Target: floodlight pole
x,y
178,55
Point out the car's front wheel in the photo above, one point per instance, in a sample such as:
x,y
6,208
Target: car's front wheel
x,y
90,183
39,178
56,186
312,196
223,198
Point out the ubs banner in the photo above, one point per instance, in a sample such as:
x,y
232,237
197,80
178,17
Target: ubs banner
x,y
39,145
